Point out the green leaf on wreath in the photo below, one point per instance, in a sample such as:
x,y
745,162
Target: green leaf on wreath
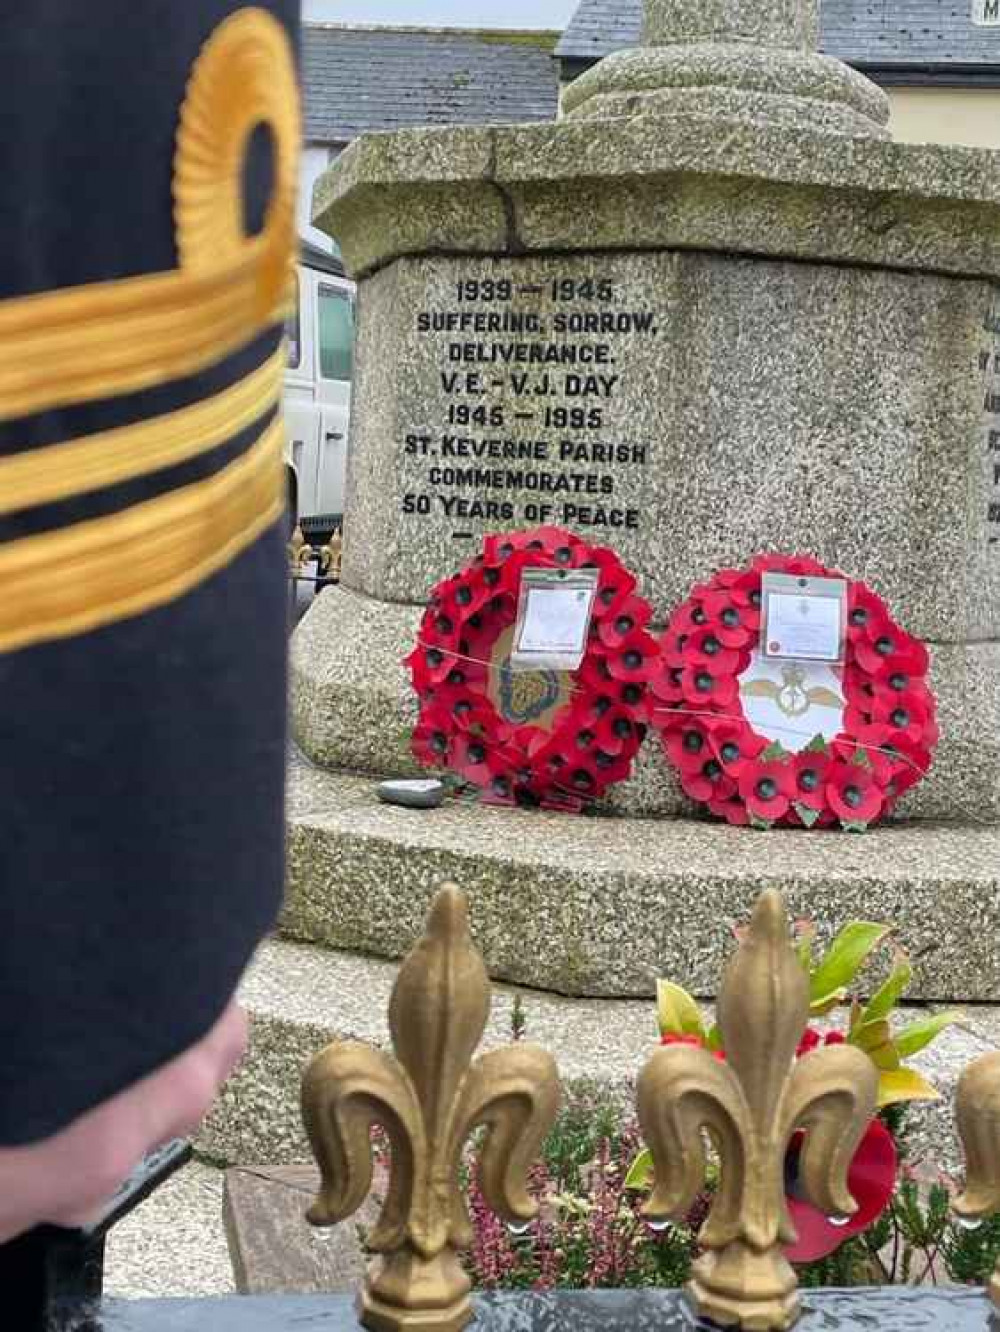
x,y
774,752
853,827
817,745
762,825
860,759
810,817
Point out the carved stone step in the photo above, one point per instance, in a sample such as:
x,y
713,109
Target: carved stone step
x,y
301,997
604,906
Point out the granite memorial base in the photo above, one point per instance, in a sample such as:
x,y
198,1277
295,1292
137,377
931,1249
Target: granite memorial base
x,y
604,906
861,1310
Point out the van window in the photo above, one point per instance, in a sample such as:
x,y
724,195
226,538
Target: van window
x,y
336,333
293,334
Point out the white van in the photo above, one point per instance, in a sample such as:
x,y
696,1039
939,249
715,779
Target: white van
x,y
317,397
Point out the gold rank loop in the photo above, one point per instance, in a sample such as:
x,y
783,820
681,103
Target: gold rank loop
x,y
110,338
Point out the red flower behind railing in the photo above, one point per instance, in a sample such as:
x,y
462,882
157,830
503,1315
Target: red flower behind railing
x,y
833,977
871,1177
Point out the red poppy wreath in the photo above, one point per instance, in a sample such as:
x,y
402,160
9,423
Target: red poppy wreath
x,y
542,738
767,743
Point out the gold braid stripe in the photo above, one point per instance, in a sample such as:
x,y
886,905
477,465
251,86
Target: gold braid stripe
x,y
111,338
94,573
80,466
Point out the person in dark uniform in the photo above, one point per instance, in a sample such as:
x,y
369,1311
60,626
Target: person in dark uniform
x,y
148,163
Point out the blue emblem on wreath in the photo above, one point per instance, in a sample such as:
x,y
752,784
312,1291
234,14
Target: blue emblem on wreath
x,y
526,696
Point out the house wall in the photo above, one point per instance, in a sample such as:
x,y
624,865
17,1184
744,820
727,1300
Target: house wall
x,y
946,115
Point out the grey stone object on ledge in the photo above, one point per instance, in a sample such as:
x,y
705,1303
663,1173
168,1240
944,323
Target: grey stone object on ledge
x,y
887,1309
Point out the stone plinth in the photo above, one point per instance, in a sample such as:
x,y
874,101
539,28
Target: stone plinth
x,y
603,906
353,709
716,406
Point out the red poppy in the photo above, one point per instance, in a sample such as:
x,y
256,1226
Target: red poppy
x,y
803,565
732,810
709,783
853,793
705,650
706,692
616,731
909,764
666,688
767,789
614,628
857,734
430,664
745,591
864,607
466,599
858,686
432,739
636,658
884,649
615,584
907,713
687,744
809,771
691,617
735,625
479,759
735,744
871,1179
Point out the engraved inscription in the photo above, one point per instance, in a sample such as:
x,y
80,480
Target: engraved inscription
x,y
527,421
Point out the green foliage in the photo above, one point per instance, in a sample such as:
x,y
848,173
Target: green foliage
x,y
592,1233
918,1035
971,1255
676,1012
590,1115
844,959
891,991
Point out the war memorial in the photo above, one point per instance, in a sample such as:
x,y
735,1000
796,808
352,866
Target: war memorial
x,y
712,313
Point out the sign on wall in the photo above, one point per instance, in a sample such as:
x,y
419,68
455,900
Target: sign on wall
x,y
986,13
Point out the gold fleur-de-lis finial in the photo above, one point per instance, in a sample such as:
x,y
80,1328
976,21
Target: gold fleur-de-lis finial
x,y
751,1106
977,1109
299,552
428,1099
331,557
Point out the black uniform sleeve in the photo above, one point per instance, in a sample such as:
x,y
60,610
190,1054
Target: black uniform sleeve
x,y
142,595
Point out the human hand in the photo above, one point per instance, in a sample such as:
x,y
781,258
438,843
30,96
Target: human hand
x,y
67,1179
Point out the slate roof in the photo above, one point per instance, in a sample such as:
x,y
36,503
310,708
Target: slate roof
x,y
357,79
874,34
